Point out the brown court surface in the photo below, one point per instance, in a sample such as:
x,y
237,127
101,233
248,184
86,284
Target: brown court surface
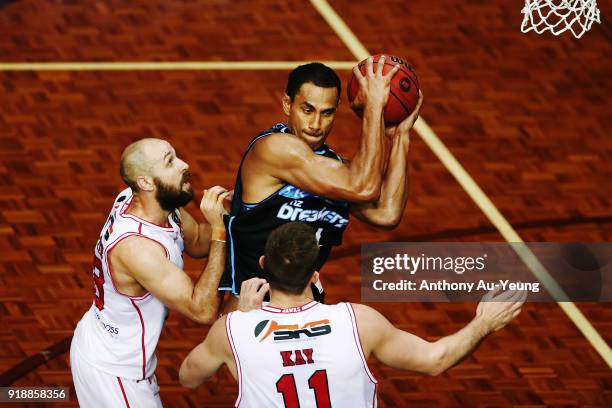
x,y
527,115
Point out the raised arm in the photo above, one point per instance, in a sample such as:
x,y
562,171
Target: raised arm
x,y
403,350
291,160
170,284
387,212
197,235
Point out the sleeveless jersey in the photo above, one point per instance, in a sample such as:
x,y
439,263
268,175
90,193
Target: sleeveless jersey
x,y
249,225
119,333
308,356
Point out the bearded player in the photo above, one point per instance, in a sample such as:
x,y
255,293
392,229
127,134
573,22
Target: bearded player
x,y
138,275
288,173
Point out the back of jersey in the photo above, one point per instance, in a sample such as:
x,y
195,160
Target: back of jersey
x,y
307,356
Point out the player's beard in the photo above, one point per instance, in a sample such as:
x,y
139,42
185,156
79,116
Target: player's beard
x,y
169,197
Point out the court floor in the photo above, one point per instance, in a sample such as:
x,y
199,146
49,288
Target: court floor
x,y
526,116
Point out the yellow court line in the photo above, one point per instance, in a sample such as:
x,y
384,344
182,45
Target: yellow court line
x,y
163,65
479,197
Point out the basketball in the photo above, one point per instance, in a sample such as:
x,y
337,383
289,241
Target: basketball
x,y
404,93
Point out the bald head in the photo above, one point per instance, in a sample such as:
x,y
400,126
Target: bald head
x,y
139,158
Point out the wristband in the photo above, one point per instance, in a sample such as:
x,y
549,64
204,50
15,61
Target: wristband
x,y
218,235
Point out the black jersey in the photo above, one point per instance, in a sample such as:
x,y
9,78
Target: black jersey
x,y
249,224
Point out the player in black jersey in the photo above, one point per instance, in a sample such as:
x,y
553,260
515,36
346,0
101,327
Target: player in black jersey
x,y
288,173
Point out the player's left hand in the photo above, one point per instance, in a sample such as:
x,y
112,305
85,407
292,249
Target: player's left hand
x,y
212,206
403,128
252,293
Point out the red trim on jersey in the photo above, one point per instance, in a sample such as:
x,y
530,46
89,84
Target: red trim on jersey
x,y
140,228
126,206
127,404
289,310
374,396
110,268
142,340
230,339
357,338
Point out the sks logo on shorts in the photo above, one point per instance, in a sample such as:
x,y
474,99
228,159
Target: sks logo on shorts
x,y
291,331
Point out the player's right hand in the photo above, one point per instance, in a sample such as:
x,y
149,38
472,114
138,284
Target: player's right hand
x,y
497,311
252,293
212,205
374,86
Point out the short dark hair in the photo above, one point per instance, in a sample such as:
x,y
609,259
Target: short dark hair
x,y
290,256
315,73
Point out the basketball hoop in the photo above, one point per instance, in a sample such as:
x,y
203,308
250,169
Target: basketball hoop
x,y
574,15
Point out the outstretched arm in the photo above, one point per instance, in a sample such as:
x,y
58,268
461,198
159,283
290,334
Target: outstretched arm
x,y
387,212
403,350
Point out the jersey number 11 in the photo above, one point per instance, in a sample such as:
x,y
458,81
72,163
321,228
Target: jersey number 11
x,y
317,382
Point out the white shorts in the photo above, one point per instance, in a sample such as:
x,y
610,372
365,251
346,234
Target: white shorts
x,y
98,389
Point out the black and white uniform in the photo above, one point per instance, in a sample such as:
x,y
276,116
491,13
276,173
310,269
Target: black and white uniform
x,y
250,224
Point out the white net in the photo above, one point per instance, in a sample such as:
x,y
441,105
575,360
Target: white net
x,y
559,16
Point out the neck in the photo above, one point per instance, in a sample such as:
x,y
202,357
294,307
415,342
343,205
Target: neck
x,y
284,300
148,209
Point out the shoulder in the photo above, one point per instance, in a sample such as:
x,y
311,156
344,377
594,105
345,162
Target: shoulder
x,y
372,326
219,326
140,245
280,145
368,318
364,312
218,335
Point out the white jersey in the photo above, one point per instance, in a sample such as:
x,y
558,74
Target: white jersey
x,y
308,356
119,333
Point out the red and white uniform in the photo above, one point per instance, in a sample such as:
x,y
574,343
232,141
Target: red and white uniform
x,y
118,335
308,356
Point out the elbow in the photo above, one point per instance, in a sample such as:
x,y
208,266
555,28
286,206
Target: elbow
x,y
437,360
204,318
435,371
184,378
208,316
187,383
384,219
203,315
367,194
388,222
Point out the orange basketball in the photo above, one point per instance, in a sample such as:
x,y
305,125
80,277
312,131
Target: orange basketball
x,y
404,93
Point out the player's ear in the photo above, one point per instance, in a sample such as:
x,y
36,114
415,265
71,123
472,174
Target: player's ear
x,y
145,183
286,104
315,277
261,261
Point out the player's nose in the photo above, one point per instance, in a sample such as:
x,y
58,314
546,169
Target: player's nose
x,y
183,165
315,124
